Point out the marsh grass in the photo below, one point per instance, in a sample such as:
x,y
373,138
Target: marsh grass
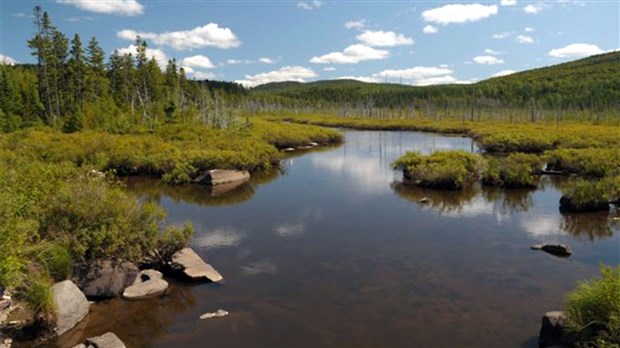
x,y
442,169
517,170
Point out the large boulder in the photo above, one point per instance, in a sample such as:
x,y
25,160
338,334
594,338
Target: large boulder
x,y
71,305
552,330
216,177
105,279
191,265
107,340
148,283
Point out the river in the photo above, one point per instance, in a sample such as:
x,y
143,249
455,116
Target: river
x,y
331,250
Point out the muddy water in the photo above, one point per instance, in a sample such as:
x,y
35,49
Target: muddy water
x,y
333,251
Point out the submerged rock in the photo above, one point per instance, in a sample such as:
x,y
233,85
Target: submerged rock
x,y
219,313
552,330
71,305
107,340
558,249
216,177
105,279
190,264
148,283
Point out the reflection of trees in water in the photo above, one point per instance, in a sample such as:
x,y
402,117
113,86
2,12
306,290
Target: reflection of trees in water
x,y
438,200
154,189
137,323
512,200
589,226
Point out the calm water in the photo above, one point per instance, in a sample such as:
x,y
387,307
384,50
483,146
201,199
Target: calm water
x,y
333,251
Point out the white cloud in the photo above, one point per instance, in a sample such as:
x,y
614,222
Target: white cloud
x,y
79,19
208,35
489,60
238,61
503,73
459,13
351,55
384,39
367,79
6,60
502,35
524,39
151,53
576,50
533,9
528,29
188,69
203,75
309,5
266,60
441,80
429,29
287,73
117,7
198,61
22,15
508,2
417,72
355,24
490,51
329,68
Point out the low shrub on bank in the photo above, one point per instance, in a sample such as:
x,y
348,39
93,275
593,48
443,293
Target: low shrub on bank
x,y
442,169
589,195
517,170
592,162
593,310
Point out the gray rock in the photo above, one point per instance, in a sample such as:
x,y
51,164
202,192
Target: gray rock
x,y
148,283
190,264
105,279
424,200
219,313
552,330
289,149
313,144
107,340
558,249
71,305
216,177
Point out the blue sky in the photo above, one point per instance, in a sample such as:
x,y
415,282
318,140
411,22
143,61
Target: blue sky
x,y
254,42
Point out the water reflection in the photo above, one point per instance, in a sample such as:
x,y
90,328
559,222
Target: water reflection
x,y
260,267
220,237
590,227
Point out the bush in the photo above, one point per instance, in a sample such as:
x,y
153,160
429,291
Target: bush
x,y
593,310
442,169
586,162
588,195
517,170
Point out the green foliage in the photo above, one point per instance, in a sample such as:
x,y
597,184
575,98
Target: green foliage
x,y
516,170
593,310
593,162
589,195
442,169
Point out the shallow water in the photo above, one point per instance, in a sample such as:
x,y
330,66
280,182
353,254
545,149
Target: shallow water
x,y
333,251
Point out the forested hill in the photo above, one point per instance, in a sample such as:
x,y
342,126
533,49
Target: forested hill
x,y
589,83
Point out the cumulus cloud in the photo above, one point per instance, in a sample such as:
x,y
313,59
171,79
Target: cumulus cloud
x,y
533,9
6,60
152,53
266,60
423,75
459,13
198,61
238,61
309,5
208,35
502,35
355,24
117,7
503,73
576,50
528,29
351,55
429,29
287,73
508,2
384,39
490,51
524,39
329,68
367,79
489,60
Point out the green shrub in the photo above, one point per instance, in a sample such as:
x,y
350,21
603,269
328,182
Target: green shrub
x,y
593,310
593,162
589,195
517,170
442,169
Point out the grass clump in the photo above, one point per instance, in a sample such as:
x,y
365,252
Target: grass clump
x,y
593,310
592,162
587,195
517,170
442,169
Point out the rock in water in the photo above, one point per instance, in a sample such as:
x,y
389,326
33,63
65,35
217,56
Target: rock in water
x,y
148,283
558,249
105,279
216,177
71,305
107,340
552,329
190,264
219,313
536,247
